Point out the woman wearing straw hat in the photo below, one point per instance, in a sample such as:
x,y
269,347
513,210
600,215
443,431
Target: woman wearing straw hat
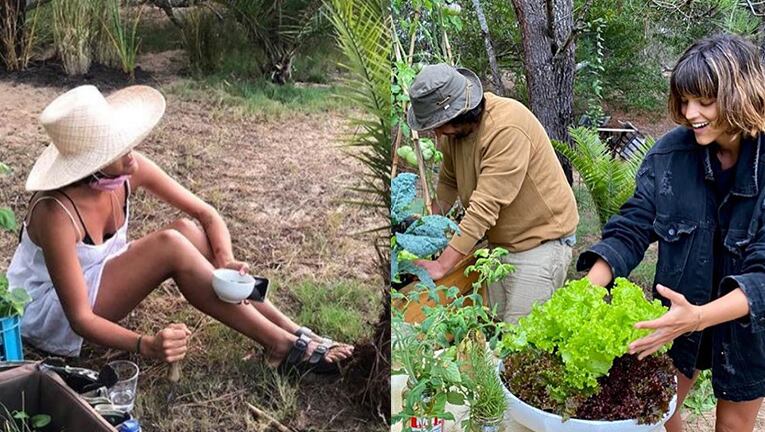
x,y
75,261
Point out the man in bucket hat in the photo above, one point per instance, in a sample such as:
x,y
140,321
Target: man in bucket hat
x,y
498,160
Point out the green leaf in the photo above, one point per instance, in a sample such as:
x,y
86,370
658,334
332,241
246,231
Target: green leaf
x,y
447,416
455,398
403,192
20,415
40,421
7,219
451,373
439,403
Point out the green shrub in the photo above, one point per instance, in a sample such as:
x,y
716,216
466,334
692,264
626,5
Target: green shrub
x,y
202,32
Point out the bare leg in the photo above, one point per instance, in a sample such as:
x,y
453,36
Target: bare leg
x,y
684,385
194,233
130,277
197,237
736,416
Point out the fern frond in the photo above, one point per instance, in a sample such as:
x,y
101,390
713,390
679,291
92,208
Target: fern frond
x,y
609,179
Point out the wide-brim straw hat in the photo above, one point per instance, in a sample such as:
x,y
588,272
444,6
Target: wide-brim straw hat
x,y
440,93
89,131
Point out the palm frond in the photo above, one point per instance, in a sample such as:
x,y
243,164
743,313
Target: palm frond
x,y
361,29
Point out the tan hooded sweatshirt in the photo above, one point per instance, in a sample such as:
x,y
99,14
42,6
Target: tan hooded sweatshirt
x,y
509,180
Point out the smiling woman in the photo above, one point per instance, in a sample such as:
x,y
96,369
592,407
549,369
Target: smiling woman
x,y
700,193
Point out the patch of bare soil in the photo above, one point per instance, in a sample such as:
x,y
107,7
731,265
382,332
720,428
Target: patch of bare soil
x,y
279,185
50,73
706,421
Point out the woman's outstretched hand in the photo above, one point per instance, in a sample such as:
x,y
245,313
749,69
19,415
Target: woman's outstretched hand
x,y
682,317
168,345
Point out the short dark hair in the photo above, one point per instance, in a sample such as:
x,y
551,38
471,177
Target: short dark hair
x,y
725,68
470,116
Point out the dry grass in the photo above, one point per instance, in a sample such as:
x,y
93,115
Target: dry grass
x,y
280,187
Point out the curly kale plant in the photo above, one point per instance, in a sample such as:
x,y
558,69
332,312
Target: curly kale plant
x,y
585,331
414,236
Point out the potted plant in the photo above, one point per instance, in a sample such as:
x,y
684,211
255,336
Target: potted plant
x,y
446,356
419,236
433,379
12,302
566,365
484,391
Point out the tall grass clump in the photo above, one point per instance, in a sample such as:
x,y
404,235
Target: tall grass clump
x,y
202,40
104,51
73,33
124,35
17,35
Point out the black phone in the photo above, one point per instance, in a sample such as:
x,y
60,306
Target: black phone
x,y
260,289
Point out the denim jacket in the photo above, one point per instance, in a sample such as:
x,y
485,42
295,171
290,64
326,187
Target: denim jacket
x,y
674,203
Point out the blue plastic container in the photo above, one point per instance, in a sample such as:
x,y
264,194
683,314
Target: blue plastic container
x,y
131,425
10,348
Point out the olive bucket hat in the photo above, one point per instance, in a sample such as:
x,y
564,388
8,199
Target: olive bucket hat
x,y
440,93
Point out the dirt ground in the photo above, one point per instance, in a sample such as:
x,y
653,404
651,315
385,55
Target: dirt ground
x,y
280,186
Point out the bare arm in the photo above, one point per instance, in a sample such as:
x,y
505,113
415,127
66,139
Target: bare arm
x,y
156,181
57,238
600,273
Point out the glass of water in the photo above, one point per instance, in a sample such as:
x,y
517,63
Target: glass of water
x,y
122,394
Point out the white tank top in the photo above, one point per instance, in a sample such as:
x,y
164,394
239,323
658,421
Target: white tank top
x,y
44,323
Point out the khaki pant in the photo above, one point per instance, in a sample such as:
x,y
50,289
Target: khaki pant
x,y
538,272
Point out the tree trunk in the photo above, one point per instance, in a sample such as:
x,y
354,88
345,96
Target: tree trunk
x,y
547,32
499,88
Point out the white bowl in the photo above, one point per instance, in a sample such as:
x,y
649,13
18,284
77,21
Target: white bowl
x,y
231,286
543,421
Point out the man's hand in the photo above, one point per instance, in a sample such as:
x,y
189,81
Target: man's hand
x,y
443,265
434,268
682,317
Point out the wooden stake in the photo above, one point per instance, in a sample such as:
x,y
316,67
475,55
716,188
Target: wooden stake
x,y
396,143
448,50
174,372
421,166
259,413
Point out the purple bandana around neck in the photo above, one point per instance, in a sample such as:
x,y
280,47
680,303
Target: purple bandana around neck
x,y
108,184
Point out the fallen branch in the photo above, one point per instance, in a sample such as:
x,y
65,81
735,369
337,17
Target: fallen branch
x,y
259,413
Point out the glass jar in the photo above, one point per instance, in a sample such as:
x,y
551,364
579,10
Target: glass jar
x,y
480,424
